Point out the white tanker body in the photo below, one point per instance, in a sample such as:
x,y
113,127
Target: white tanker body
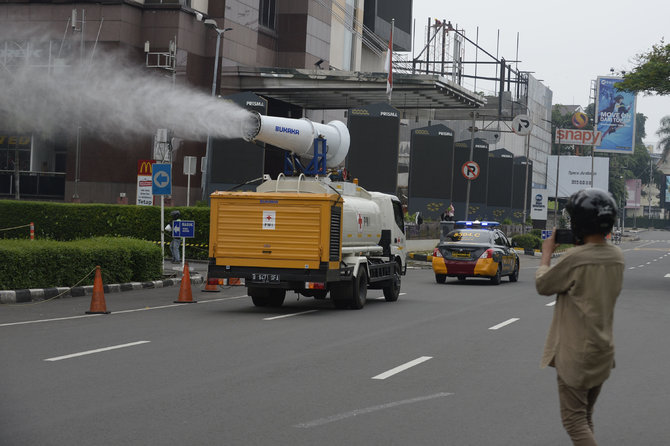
x,y
310,235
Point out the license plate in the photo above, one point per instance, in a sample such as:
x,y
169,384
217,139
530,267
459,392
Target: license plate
x,y
463,255
265,278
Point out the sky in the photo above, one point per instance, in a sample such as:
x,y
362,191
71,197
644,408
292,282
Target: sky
x,y
566,44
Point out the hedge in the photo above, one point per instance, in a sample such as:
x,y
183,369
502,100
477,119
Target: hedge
x,y
47,263
68,221
527,241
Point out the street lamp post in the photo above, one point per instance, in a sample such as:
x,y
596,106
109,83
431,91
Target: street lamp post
x,y
219,34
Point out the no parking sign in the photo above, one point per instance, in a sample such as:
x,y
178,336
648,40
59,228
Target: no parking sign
x,y
470,170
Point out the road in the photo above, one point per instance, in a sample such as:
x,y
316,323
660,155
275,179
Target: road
x,y
449,364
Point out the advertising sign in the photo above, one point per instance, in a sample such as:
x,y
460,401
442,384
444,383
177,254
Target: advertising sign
x,y
615,117
579,137
144,195
575,174
538,204
633,193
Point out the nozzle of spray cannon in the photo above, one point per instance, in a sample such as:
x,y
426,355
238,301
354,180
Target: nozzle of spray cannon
x,y
297,136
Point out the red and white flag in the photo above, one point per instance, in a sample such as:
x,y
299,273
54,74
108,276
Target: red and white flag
x,y
389,63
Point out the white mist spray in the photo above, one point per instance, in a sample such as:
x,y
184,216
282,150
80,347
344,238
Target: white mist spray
x,y
108,97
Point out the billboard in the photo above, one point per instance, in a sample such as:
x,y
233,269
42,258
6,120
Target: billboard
x,y
615,117
375,137
633,193
538,204
667,188
574,174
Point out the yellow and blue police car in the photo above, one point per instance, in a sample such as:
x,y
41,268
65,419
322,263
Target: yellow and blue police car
x,y
475,249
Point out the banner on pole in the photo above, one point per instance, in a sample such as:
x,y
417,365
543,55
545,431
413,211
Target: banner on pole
x,y
615,117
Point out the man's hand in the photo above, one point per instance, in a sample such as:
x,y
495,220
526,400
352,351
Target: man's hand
x,y
548,248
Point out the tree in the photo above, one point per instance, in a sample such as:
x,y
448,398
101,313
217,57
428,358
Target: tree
x,y
652,73
664,133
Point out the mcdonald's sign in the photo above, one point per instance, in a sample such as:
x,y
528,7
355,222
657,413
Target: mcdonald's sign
x,y
144,167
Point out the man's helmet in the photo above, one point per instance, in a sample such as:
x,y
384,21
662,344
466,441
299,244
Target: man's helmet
x,y
175,214
592,211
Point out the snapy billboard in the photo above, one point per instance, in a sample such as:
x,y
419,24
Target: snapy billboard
x,y
574,174
615,117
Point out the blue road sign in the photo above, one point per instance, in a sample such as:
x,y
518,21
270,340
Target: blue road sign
x,y
183,228
161,175
546,233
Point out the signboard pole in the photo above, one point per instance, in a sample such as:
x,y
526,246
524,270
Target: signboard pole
x,y
558,169
183,251
525,189
472,149
162,235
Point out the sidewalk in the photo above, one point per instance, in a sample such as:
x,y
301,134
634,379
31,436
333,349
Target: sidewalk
x,y
172,274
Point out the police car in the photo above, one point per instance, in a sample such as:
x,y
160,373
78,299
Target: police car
x,y
475,249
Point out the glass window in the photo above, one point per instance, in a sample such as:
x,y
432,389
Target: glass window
x,y
266,13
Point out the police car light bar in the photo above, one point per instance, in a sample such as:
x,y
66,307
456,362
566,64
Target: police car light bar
x,y
476,224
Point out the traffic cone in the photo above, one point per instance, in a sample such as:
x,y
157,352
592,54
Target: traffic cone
x,y
185,295
98,298
212,285
234,281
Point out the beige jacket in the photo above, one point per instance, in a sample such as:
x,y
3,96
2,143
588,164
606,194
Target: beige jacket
x,y
587,280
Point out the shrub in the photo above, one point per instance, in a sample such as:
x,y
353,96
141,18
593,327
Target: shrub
x,y
68,221
527,241
46,263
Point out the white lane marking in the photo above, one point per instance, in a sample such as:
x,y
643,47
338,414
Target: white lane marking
x,y
90,352
353,413
667,275
37,321
402,368
632,267
502,324
382,297
288,315
648,263
551,304
640,266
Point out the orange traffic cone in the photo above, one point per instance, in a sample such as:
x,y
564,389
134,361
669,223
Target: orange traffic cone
x,y
212,285
185,295
98,298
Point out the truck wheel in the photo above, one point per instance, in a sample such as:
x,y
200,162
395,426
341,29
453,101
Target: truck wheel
x,y
340,295
276,298
392,290
360,291
266,297
440,278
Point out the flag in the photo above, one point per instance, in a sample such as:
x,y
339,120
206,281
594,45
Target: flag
x,y
389,63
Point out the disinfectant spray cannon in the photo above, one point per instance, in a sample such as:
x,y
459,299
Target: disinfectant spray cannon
x,y
324,145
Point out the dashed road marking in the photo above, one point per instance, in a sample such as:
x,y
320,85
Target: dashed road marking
x,y
289,315
503,324
98,350
365,410
402,368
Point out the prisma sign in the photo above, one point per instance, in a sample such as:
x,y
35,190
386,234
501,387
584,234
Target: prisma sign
x,y
578,137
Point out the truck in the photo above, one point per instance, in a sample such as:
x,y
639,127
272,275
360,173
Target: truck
x,y
307,233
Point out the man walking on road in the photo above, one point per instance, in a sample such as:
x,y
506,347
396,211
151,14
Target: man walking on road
x,y
587,280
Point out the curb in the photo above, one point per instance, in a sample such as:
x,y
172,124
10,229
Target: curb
x,y
39,294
